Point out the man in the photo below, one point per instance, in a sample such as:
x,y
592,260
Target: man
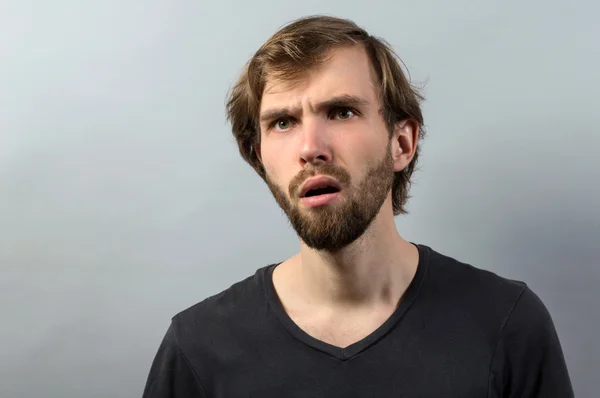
x,y
325,115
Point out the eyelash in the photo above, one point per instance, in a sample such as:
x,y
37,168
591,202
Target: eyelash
x,y
331,112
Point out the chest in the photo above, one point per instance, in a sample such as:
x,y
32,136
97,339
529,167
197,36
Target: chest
x,y
408,369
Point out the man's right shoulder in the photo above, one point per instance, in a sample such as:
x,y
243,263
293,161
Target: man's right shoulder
x,y
219,313
204,334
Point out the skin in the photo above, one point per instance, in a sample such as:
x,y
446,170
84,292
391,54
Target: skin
x,y
338,294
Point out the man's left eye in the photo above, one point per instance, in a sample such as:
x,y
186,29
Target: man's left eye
x,y
344,114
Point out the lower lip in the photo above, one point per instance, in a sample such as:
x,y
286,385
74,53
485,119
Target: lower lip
x,y
319,200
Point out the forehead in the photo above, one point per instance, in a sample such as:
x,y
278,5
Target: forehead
x,y
344,71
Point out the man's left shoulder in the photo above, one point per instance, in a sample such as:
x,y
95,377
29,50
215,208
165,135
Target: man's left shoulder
x,y
462,279
478,292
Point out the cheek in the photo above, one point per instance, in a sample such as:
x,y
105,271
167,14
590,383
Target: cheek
x,y
275,173
267,160
278,163
362,140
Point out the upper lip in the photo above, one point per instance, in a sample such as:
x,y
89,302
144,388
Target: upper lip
x,y
319,182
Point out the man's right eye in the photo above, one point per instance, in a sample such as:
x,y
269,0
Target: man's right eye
x,y
282,124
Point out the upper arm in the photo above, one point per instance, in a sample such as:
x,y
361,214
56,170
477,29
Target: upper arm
x,y
528,359
170,375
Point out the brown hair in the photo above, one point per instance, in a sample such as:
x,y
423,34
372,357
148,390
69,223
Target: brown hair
x,y
303,44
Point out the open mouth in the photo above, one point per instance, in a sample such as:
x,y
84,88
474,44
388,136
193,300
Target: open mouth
x,y
321,191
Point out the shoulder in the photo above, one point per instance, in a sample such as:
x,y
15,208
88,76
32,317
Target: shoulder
x,y
222,312
480,298
201,335
463,280
529,318
504,315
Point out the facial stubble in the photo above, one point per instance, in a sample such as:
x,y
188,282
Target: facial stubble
x,y
334,226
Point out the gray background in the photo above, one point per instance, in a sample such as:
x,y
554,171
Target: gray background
x,y
123,199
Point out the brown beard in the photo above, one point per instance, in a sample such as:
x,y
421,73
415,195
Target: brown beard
x,y
335,226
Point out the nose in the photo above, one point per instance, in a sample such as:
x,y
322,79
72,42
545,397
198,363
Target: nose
x,y
314,148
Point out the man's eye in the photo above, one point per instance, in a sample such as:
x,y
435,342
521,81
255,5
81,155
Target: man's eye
x,y
282,124
343,113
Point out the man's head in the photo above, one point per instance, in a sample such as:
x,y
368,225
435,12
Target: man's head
x,y
322,104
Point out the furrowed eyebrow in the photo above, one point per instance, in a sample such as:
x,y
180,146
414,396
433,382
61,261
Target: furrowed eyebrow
x,y
274,114
341,101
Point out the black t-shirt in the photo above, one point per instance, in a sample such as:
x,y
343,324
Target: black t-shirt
x,y
459,332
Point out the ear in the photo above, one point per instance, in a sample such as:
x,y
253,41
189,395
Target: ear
x,y
404,143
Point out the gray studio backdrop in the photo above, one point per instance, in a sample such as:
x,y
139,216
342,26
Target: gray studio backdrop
x,y
123,199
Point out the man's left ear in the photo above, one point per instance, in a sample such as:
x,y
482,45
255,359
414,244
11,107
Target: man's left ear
x,y
404,143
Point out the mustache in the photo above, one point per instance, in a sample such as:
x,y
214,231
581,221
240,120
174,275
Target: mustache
x,y
327,169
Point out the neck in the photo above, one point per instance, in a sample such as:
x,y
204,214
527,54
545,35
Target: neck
x,y
374,269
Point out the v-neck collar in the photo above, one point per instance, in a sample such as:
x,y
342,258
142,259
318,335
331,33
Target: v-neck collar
x,y
352,350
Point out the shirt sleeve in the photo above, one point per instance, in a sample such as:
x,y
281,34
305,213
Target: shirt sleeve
x,y
528,359
170,375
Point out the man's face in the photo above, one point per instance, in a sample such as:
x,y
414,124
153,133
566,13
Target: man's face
x,y
326,150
